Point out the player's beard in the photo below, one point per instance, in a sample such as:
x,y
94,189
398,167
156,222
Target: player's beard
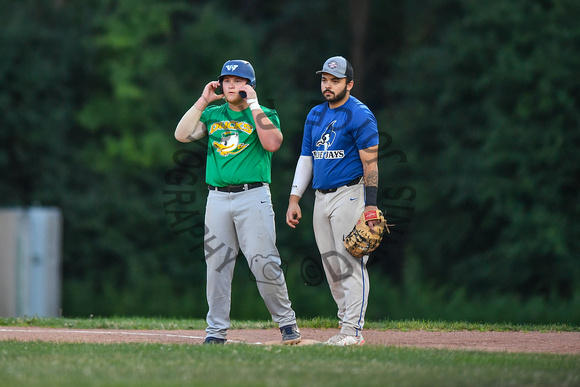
x,y
335,97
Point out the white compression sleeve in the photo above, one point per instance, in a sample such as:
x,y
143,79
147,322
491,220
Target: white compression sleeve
x,y
302,175
189,127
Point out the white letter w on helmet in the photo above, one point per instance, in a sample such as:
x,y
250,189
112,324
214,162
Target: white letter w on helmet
x,y
231,67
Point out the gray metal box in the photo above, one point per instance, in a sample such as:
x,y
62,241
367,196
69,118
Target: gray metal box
x,y
30,262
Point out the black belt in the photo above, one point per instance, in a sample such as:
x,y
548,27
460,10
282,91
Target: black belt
x,y
235,188
349,184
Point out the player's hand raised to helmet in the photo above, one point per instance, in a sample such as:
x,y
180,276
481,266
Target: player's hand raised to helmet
x,y
210,92
250,92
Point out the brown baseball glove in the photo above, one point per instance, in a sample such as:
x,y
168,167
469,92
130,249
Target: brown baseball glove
x,y
361,240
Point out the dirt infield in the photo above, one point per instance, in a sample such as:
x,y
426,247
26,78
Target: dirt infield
x,y
552,342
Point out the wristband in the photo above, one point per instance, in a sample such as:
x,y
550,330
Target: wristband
x,y
254,104
205,99
371,195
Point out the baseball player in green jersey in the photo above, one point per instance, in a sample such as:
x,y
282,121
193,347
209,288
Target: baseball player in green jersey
x,y
239,212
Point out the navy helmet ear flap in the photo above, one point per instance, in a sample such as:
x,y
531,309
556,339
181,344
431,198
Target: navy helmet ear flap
x,y
239,68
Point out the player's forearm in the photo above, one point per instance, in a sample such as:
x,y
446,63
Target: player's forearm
x,y
268,133
371,175
371,187
302,177
294,199
189,127
271,139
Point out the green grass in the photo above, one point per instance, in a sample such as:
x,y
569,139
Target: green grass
x,y
43,364
172,324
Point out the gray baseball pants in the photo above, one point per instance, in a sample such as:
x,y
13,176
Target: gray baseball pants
x,y
335,214
242,220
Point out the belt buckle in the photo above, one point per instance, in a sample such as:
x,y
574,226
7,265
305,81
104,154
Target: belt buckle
x,y
327,191
236,188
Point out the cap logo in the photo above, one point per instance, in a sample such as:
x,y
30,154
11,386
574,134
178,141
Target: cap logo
x,y
231,67
332,65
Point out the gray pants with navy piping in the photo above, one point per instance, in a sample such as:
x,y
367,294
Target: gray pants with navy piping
x,y
335,214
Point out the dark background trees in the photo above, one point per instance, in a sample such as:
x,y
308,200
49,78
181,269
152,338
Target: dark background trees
x,y
477,106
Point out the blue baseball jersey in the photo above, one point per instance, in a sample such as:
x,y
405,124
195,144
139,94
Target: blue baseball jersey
x,y
333,137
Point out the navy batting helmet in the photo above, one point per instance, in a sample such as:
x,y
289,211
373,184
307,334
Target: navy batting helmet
x,y
239,68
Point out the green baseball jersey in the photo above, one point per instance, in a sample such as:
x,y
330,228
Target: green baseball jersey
x,y
234,152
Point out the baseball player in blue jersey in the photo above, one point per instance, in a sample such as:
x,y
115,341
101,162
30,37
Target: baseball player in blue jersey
x,y
339,154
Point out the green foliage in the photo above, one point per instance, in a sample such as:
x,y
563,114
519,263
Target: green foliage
x,y
414,299
41,75
488,112
126,113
